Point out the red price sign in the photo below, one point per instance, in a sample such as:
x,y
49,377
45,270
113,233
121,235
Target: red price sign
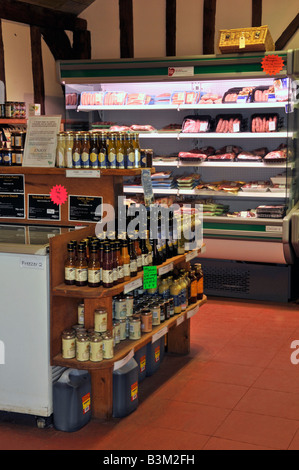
x,y
58,194
272,64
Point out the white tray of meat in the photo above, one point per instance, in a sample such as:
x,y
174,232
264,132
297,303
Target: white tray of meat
x,y
277,188
255,187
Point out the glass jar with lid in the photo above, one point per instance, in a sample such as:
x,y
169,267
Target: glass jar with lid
x,y
100,320
134,327
146,321
108,350
69,344
96,348
82,348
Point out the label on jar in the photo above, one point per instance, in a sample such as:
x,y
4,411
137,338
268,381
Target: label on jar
x,y
68,348
85,159
81,314
96,351
115,275
120,310
139,261
102,159
130,160
82,353
145,260
176,300
193,290
94,276
81,274
120,157
76,160
120,272
70,274
108,348
133,266
93,160
100,322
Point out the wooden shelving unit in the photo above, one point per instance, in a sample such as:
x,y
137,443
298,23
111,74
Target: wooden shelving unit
x,y
64,305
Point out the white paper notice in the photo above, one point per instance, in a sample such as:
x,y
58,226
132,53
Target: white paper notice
x,y
41,139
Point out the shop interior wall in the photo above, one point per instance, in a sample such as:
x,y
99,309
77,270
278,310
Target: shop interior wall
x,y
149,37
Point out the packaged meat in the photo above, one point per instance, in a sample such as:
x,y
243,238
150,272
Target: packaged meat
x,y
115,98
237,94
210,98
264,123
178,97
191,97
248,157
228,123
119,129
192,156
142,128
263,94
272,212
71,99
92,98
163,98
261,152
275,156
230,157
256,186
136,98
229,149
196,124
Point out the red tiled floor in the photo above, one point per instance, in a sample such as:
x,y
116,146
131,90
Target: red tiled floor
x,y
237,389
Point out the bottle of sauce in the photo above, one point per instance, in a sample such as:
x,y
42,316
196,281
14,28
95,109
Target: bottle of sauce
x,y
136,147
70,265
114,263
107,267
120,152
103,151
112,152
81,267
101,257
133,259
149,249
193,288
164,290
68,150
199,276
94,151
144,253
60,150
94,271
76,152
120,264
175,291
138,254
184,293
126,260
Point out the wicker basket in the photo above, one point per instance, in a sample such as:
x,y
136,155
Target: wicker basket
x,y
245,40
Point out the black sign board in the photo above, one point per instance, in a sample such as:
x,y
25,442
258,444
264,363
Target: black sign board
x,y
41,207
85,208
12,206
12,184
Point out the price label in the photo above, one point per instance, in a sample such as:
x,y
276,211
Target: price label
x,y
118,364
180,320
83,173
133,285
150,277
193,254
159,334
192,312
166,269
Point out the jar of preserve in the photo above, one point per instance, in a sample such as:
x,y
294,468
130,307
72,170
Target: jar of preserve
x,y
96,348
82,348
68,344
171,306
116,329
156,311
135,328
123,329
100,320
129,304
81,314
162,311
108,350
120,308
146,321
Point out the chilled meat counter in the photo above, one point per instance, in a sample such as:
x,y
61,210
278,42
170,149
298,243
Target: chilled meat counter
x,y
223,134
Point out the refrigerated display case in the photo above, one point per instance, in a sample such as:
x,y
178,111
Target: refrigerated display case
x,y
250,246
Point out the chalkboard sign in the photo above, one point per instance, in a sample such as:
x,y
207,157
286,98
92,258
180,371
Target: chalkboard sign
x,y
12,206
41,207
12,184
85,208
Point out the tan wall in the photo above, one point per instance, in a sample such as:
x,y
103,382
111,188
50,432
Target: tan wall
x,y
149,37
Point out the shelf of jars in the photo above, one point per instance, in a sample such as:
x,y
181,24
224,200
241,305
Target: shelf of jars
x,y
127,346
64,290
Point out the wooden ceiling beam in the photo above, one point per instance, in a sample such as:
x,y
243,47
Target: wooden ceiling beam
x,y
209,18
256,13
33,15
126,28
287,34
59,43
170,28
37,67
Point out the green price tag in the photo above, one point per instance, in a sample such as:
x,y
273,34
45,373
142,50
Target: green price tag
x,y
150,275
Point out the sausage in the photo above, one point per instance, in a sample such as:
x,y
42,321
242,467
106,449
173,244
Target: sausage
x,y
275,120
219,125
264,125
253,125
226,127
230,125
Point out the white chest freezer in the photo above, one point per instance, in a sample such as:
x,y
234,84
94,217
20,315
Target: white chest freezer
x,y
26,376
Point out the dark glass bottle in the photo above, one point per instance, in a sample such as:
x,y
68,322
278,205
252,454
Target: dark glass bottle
x,y
81,266
70,265
133,259
157,259
94,273
107,267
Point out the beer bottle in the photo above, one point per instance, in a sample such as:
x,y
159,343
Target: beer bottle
x,y
94,151
112,152
120,157
103,151
76,153
136,147
199,275
85,151
60,149
68,150
193,288
130,155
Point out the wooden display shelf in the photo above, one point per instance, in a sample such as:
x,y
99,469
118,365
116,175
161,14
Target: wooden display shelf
x,y
12,122
126,346
27,170
100,292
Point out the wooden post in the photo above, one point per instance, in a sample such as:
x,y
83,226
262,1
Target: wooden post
x,y
126,28
170,27
37,67
209,14
2,67
81,45
256,13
